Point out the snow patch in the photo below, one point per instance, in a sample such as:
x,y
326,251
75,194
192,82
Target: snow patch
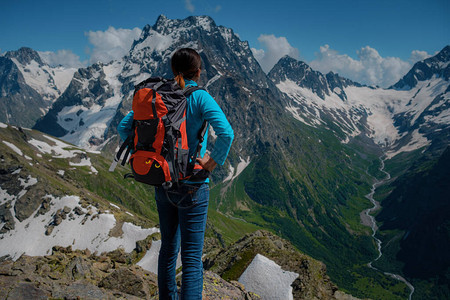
x,y
57,150
417,141
5,197
3,125
115,206
80,232
226,34
93,170
240,167
28,182
13,147
150,260
230,173
265,278
83,162
205,23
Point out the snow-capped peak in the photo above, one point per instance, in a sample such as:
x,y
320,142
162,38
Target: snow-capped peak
x,y
437,65
49,82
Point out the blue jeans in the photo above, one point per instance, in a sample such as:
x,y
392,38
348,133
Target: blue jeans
x,y
182,218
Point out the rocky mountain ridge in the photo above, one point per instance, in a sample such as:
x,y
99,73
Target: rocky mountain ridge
x,y
76,274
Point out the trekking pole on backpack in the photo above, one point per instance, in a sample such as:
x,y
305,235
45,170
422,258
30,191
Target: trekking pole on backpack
x,y
126,145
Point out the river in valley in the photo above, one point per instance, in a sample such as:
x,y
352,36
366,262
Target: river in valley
x,y
369,220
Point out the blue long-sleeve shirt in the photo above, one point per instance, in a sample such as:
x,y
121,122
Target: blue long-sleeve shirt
x,y
200,106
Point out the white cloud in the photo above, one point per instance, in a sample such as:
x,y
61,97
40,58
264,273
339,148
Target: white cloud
x,y
189,6
65,58
274,49
370,67
112,43
417,55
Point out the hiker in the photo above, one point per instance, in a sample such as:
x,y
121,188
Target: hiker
x,y
182,212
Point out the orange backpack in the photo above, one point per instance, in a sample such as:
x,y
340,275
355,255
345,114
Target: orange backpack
x,y
158,143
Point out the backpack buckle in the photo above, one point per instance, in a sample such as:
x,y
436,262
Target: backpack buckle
x,y
167,185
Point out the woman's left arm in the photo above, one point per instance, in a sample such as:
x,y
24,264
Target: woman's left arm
x,y
212,113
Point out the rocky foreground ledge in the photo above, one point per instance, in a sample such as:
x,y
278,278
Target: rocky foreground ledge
x,y
67,274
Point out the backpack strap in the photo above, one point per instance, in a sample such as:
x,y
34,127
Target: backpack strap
x,y
173,167
156,87
190,89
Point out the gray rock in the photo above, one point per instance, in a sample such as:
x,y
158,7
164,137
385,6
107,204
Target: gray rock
x,y
27,290
6,218
49,230
126,281
77,210
79,290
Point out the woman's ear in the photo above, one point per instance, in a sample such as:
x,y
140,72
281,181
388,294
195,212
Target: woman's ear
x,y
197,75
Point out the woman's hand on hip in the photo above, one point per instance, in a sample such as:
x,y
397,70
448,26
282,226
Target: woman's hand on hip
x,y
207,162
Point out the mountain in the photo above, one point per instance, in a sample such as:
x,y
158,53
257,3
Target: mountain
x,y
99,89
436,66
82,113
69,228
303,76
29,86
306,149
396,119
409,122
427,109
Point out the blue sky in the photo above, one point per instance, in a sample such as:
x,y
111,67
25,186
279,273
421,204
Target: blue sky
x,y
372,42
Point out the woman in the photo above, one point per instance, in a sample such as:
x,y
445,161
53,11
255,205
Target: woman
x,y
183,224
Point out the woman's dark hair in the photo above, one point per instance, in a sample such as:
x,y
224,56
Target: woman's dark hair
x,y
185,63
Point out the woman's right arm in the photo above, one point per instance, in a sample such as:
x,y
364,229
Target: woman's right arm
x,y
125,126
